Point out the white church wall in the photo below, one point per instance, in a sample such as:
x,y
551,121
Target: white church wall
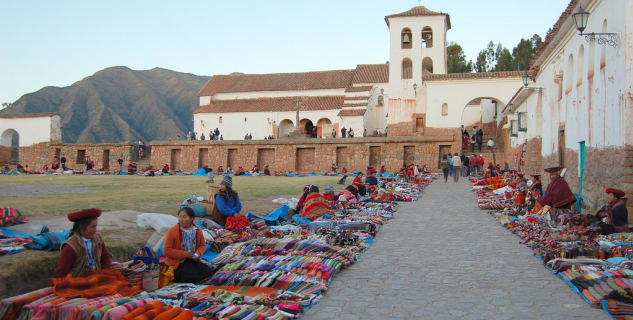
x,y
276,94
472,115
458,93
31,130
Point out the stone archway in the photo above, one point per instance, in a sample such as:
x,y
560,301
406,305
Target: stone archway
x,y
482,112
10,142
324,128
285,127
307,127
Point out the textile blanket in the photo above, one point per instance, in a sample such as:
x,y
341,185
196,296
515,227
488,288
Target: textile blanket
x,y
99,283
272,218
9,216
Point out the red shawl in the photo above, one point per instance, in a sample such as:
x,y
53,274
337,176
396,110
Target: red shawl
x,y
315,206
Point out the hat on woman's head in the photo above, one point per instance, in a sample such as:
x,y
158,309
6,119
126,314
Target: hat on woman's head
x,y
307,188
84,214
227,181
616,192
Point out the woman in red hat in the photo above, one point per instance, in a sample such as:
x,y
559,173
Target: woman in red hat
x,y
84,251
615,210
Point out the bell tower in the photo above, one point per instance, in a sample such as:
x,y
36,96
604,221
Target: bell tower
x,y
417,41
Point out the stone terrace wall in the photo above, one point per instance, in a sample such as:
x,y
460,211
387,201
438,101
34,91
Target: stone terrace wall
x,y
302,154
37,155
5,155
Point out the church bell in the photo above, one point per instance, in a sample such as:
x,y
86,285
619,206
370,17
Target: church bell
x,y
406,38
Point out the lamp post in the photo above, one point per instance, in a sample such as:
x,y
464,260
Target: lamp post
x,y
580,19
415,89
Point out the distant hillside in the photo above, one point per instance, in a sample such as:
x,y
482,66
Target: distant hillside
x,y
118,104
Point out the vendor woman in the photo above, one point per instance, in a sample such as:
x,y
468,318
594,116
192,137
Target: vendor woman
x,y
615,210
84,251
228,206
184,245
558,193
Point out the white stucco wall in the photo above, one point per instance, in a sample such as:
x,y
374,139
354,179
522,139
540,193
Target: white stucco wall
x,y
259,124
275,94
593,95
458,93
31,130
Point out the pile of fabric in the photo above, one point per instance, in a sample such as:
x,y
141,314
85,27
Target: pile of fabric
x,y
10,216
271,269
12,244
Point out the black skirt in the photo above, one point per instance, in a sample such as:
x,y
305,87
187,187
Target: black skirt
x,y
192,271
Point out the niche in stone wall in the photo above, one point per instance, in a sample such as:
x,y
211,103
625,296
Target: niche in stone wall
x,y
203,157
265,157
304,161
375,156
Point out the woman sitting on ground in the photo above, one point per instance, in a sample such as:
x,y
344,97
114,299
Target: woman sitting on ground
x,y
302,199
316,205
228,206
184,246
266,170
615,210
84,251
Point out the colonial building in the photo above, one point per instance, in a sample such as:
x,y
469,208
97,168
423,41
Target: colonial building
x,y
577,109
410,95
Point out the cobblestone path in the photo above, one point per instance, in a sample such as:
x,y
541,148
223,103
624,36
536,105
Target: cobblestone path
x,y
443,258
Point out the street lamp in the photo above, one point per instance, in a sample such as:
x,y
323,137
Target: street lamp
x,y
415,88
581,17
526,79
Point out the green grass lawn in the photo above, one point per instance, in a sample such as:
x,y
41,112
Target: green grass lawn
x,y
148,194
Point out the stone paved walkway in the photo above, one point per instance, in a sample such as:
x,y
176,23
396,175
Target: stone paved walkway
x,y
443,258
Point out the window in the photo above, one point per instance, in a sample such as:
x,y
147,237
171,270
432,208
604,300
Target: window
x,y
405,38
522,121
444,109
427,37
407,68
427,65
514,128
381,100
220,119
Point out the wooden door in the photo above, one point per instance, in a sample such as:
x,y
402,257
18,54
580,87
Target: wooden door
x,y
175,159
105,160
375,156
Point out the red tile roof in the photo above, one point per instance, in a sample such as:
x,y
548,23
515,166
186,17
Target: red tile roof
x,y
277,82
357,98
474,75
550,36
358,89
371,73
351,113
28,115
419,11
272,104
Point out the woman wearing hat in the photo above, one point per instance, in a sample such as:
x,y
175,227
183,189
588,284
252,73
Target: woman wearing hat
x,y
84,251
228,206
184,245
615,210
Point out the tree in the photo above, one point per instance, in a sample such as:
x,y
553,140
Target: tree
x,y
481,65
5,105
525,50
456,59
506,61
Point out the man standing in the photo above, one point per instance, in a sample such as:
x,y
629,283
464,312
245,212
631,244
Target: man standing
x,y
333,133
480,139
351,132
457,163
343,132
466,165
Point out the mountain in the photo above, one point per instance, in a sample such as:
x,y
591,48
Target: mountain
x,y
119,104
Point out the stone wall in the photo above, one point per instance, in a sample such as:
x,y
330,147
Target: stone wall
x,y
314,154
102,154
401,129
5,155
532,159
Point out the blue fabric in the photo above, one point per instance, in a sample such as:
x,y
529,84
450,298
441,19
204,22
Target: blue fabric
x,y
91,259
226,207
49,241
300,220
209,255
273,217
578,203
201,172
372,181
620,215
14,233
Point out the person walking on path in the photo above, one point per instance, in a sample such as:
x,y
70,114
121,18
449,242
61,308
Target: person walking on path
x,y
480,139
457,163
450,161
445,165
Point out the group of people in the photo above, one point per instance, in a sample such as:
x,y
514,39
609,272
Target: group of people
x,y
476,137
456,165
213,135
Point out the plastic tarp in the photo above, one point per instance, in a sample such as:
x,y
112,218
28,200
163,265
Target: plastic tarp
x,y
201,172
272,218
46,240
158,221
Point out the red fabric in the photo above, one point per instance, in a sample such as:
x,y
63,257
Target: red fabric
x,y
357,180
169,314
99,283
237,221
68,257
84,214
557,195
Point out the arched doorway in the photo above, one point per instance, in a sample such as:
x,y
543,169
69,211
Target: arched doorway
x,y
307,127
11,139
285,127
324,128
482,112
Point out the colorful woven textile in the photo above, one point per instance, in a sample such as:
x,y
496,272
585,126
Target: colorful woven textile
x,y
100,283
9,216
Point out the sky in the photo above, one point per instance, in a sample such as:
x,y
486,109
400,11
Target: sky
x,y
56,43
